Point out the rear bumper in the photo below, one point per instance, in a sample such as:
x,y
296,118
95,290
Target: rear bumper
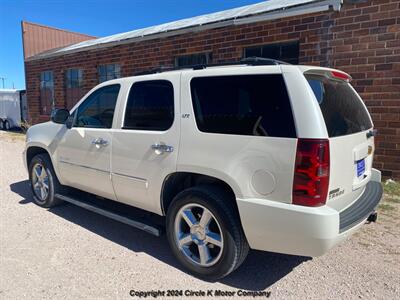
x,y
298,230
362,208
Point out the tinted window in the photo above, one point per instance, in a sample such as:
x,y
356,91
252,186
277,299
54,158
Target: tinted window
x,y
245,105
150,106
97,111
288,52
343,111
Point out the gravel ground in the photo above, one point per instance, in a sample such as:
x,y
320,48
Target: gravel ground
x,y
68,252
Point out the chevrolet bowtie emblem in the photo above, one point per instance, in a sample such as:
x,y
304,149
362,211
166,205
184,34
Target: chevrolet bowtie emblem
x,y
369,150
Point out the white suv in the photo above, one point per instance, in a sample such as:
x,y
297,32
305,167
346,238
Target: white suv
x,y
259,155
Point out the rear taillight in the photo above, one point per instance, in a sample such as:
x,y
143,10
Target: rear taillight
x,y
311,172
340,75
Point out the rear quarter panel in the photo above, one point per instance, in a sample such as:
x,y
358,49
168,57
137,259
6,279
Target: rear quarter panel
x,y
249,164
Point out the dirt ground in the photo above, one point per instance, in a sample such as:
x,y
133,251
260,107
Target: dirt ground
x,y
70,253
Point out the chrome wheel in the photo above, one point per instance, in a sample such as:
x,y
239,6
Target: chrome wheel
x,y
198,235
40,181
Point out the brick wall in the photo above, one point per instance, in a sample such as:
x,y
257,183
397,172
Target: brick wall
x,y
362,39
366,44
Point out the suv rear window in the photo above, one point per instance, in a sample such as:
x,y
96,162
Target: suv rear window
x,y
244,105
343,111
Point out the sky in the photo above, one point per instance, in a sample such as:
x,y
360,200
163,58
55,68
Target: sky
x,y
98,18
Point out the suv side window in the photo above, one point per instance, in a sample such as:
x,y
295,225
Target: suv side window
x,y
150,106
97,111
243,104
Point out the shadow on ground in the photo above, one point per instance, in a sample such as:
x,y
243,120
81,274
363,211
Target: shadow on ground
x,y
258,272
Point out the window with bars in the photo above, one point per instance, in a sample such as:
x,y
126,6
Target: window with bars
x,y
108,72
73,86
193,59
287,51
46,92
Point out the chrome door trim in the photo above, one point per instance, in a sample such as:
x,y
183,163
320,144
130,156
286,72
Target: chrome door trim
x,y
82,166
141,180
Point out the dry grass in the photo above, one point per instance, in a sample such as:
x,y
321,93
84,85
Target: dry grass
x,y
392,187
389,208
391,198
384,207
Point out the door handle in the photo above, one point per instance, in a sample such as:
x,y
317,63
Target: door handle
x,y
100,142
161,148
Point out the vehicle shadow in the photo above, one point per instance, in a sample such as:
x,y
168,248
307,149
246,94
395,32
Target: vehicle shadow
x,y
258,272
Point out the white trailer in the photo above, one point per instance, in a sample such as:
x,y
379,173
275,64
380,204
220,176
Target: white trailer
x,y
12,108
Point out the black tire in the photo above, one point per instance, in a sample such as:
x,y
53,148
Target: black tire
x,y
6,125
54,186
1,124
235,247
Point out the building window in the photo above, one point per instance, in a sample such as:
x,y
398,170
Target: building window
x,y
193,59
46,92
73,86
108,72
150,106
288,51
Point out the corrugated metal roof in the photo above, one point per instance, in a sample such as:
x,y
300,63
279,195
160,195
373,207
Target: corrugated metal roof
x,y
280,8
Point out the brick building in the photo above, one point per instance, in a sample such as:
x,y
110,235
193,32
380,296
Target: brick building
x,y
358,36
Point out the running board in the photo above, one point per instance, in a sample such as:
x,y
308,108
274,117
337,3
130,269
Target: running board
x,y
111,214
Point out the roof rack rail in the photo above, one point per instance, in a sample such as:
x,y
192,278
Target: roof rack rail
x,y
250,61
262,61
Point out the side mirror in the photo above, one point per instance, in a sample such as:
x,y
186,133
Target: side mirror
x,y
59,115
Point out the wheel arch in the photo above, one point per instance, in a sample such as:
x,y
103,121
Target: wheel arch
x,y
34,149
176,182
